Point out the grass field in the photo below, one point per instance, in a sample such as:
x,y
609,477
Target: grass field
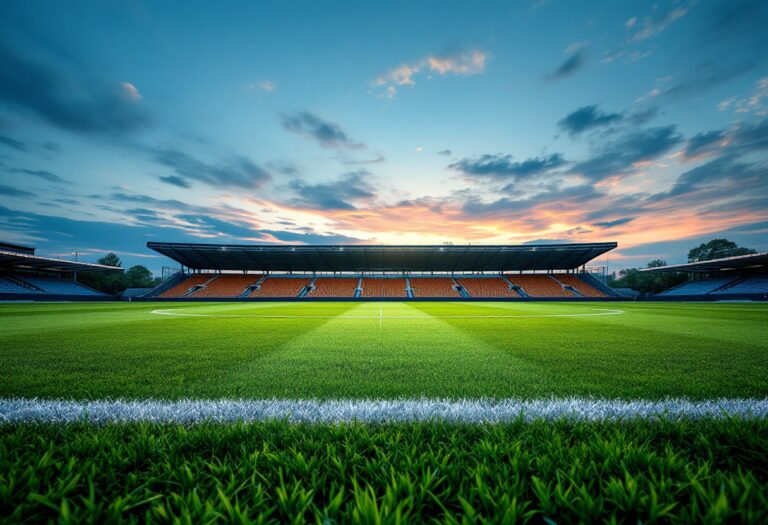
x,y
383,350
708,470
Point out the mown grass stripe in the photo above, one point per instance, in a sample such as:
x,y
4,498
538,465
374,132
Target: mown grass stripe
x,y
374,410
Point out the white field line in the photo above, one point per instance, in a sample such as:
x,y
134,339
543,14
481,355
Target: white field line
x,y
374,410
594,312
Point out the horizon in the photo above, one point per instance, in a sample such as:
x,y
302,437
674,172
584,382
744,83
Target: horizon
x,y
122,123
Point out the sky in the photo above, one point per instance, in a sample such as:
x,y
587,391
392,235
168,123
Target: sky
x,y
122,122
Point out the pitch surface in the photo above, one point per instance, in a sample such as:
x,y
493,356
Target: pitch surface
x,y
383,350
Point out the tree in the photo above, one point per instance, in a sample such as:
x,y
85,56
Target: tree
x,y
139,277
715,249
656,263
110,259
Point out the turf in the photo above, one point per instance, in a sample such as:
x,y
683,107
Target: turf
x,y
383,350
634,472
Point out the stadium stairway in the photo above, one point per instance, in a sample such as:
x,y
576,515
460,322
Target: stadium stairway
x,y
196,288
166,285
308,288
408,289
359,289
514,287
459,288
566,287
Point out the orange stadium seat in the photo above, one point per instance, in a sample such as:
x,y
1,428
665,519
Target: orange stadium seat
x,y
433,287
334,287
280,287
384,288
539,286
181,289
226,285
580,286
487,287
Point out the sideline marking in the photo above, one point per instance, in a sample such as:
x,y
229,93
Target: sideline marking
x,y
375,410
596,313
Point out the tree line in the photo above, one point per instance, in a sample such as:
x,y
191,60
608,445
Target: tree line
x,y
655,282
137,276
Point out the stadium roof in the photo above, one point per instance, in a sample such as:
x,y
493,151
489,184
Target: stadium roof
x,y
25,261
369,258
740,262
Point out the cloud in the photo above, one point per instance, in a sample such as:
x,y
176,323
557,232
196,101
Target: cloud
x,y
9,191
502,167
12,143
175,180
586,118
96,108
327,134
570,65
606,225
444,152
642,117
338,195
724,173
236,171
262,85
41,174
468,63
703,143
658,21
622,155
755,102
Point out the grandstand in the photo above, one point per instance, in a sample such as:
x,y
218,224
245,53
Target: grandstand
x,y
513,272
740,277
334,287
25,276
434,287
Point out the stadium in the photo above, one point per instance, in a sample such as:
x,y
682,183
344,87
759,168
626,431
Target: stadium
x,y
384,263
499,349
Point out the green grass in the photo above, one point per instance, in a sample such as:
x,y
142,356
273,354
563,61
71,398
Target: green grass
x,y
653,350
631,472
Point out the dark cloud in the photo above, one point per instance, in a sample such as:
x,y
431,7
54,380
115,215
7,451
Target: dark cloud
x,y
520,208
5,140
642,117
703,143
311,238
606,225
218,227
723,175
586,118
378,159
9,191
503,167
445,152
95,108
235,172
570,66
615,158
41,174
337,195
175,180
327,134
730,41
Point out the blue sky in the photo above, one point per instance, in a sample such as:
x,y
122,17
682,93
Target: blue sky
x,y
397,122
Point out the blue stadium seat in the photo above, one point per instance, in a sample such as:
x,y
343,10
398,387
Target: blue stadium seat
x,y
58,286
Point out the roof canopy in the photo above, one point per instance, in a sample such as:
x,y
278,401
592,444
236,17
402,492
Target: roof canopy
x,y
366,258
23,261
755,261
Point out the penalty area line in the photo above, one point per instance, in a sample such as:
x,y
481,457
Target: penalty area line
x,y
595,312
17,410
